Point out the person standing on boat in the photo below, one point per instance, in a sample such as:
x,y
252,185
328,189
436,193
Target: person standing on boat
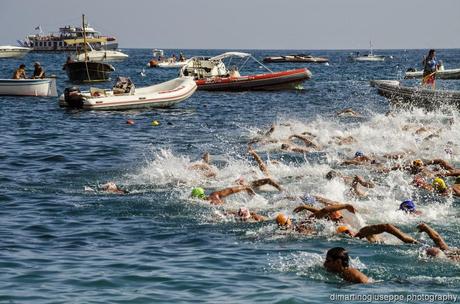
x,y
430,66
39,73
20,73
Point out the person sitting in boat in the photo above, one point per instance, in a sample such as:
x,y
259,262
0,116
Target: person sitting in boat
x,y
430,66
20,73
39,73
181,57
124,85
173,58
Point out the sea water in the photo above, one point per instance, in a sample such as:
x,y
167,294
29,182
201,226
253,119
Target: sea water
x,y
63,244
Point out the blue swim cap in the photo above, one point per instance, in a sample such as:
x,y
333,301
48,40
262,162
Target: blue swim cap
x,y
359,153
407,206
308,199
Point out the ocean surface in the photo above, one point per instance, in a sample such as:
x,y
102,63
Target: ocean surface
x,y
63,243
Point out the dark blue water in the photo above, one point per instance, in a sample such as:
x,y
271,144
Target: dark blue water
x,y
62,244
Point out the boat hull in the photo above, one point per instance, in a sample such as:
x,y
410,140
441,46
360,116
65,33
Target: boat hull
x,y
295,59
416,96
160,96
88,72
13,52
444,74
28,87
270,81
375,58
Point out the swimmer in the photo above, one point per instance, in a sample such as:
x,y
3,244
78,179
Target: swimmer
x,y
408,206
305,140
215,198
371,233
456,187
348,112
359,159
111,187
338,262
295,148
285,223
243,214
204,166
354,182
330,212
340,140
441,249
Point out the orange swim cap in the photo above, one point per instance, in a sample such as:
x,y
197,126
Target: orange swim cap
x,y
343,229
282,220
418,163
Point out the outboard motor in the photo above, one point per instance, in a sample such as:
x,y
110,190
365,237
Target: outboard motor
x,y
73,97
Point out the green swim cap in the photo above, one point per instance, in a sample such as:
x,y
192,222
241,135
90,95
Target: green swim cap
x,y
198,192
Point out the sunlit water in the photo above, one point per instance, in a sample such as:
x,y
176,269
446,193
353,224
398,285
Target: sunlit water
x,y
62,244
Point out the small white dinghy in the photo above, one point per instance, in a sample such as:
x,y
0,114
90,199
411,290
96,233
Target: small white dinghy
x,y
125,96
440,74
28,87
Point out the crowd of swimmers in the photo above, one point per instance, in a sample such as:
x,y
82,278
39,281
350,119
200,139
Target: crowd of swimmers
x,y
433,175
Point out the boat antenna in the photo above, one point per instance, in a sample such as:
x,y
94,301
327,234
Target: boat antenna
x,y
84,38
370,46
84,47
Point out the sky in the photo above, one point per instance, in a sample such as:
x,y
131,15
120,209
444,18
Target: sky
x,y
246,24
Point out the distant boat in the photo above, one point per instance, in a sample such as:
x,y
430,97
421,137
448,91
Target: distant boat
x,y
55,42
9,51
211,74
296,58
368,57
101,55
159,61
415,95
86,70
28,87
125,96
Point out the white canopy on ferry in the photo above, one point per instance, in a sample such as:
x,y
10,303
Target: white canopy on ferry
x,y
230,54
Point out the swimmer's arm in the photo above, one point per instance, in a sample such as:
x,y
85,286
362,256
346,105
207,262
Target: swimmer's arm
x,y
326,201
265,181
307,141
305,207
260,162
332,208
359,180
434,235
354,276
455,172
369,231
257,217
442,163
232,190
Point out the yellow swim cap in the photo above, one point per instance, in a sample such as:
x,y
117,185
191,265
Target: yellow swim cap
x,y
155,123
439,184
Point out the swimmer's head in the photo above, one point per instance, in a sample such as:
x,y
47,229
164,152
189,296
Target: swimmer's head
x,y
417,163
198,192
434,252
343,229
337,259
335,216
110,186
332,174
244,213
407,206
308,199
439,184
284,146
359,153
283,221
